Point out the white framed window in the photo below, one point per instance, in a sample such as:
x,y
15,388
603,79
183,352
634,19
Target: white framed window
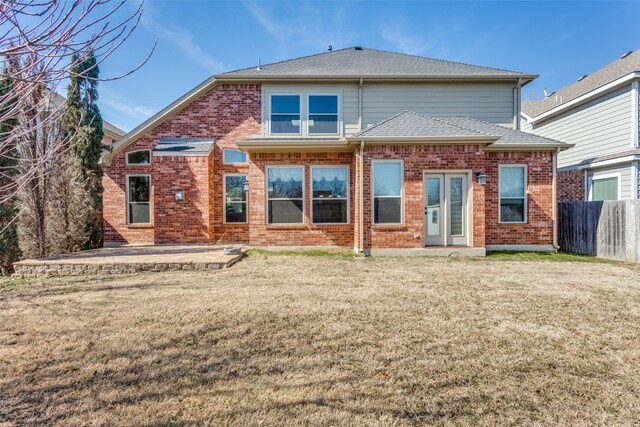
x,y
138,199
330,194
286,113
232,157
512,182
285,194
323,114
387,186
138,158
605,187
235,199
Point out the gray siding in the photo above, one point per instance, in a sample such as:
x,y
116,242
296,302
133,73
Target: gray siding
x,y
488,101
626,176
525,126
492,102
599,127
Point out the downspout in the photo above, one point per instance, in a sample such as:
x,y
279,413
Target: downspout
x,y
516,105
361,184
360,104
554,215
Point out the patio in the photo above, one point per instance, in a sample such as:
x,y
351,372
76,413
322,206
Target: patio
x,y
129,259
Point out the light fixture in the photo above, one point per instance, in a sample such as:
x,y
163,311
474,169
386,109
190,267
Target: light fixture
x,y
246,186
481,179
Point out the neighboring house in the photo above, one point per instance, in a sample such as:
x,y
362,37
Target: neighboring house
x,y
599,114
378,151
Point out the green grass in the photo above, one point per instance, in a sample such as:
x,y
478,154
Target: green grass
x,y
545,256
337,253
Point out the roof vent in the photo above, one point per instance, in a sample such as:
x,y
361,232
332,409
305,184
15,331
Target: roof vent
x,y
583,77
358,48
259,67
330,48
626,54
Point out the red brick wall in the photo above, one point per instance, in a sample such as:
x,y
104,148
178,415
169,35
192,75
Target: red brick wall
x,y
307,234
539,228
417,160
571,185
226,113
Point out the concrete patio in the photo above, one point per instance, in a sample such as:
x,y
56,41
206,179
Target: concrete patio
x,y
127,259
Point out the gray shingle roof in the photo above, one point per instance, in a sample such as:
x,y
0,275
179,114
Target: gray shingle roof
x,y
183,147
362,62
410,124
593,81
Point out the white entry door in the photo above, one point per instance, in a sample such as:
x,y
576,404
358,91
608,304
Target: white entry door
x,y
445,209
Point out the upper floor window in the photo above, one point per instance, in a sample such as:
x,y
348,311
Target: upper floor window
x,y
139,158
285,114
323,114
231,156
605,187
513,193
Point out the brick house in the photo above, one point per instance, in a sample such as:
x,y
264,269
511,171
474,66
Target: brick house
x,y
381,152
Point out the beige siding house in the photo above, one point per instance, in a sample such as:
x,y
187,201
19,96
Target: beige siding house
x,y
599,114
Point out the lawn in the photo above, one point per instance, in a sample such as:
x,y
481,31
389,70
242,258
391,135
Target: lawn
x,y
326,340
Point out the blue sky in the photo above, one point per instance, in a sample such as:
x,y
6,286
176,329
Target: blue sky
x,y
559,40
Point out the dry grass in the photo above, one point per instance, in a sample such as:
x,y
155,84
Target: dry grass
x,y
292,340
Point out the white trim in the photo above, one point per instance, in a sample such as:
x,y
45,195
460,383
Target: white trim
x,y
224,199
234,163
586,97
635,177
526,192
339,124
635,126
266,194
373,202
521,248
133,175
603,163
593,177
348,196
126,157
269,113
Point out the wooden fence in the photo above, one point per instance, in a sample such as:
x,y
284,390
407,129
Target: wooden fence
x,y
604,229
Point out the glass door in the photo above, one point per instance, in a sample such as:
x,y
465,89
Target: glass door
x,y
445,209
434,231
456,195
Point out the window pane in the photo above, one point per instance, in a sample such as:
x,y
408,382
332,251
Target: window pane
x,y
139,213
387,210
512,210
329,182
139,189
455,185
285,124
284,183
387,179
234,186
605,189
285,211
433,206
234,156
285,104
323,124
511,182
330,211
139,157
236,212
323,104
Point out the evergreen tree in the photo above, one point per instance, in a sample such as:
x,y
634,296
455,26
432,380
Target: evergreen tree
x,y
9,249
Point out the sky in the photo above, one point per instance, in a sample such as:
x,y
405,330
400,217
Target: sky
x,y
558,40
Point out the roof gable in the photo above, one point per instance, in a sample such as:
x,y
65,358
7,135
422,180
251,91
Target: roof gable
x,y
358,62
621,67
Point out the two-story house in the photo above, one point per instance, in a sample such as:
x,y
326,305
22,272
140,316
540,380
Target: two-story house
x,y
381,152
599,114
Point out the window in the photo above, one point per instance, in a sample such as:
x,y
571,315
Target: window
x,y
138,199
231,156
605,188
323,114
139,158
285,194
285,114
513,193
329,194
387,191
235,199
